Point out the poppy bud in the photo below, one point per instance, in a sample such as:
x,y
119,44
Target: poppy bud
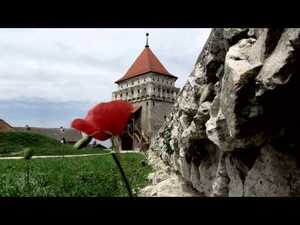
x,y
83,142
28,153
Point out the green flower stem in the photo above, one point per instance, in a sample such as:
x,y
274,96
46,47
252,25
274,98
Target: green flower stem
x,y
27,173
28,153
115,157
116,147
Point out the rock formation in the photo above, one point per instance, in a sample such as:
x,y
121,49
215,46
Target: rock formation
x,y
233,130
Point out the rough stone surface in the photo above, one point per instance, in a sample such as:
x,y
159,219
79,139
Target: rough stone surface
x,y
233,130
164,183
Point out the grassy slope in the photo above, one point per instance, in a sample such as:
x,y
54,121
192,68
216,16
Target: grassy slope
x,y
81,177
11,142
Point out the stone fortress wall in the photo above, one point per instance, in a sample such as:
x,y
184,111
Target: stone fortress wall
x,y
234,127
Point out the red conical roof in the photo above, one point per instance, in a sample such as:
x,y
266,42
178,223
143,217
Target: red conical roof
x,y
145,62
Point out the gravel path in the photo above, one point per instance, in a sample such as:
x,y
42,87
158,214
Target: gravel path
x,y
65,156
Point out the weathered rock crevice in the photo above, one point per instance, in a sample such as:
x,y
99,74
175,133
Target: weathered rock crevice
x,y
233,129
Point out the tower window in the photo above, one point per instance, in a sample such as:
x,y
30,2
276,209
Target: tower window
x,y
147,103
153,104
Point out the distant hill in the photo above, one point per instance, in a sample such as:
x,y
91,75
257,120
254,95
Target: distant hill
x,y
13,142
4,126
70,135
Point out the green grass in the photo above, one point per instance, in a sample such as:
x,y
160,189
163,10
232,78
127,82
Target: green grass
x,y
72,177
15,142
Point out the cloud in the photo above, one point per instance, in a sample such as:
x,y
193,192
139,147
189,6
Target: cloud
x,y
42,114
60,66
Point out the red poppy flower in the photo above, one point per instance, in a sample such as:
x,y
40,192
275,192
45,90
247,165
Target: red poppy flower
x,y
105,119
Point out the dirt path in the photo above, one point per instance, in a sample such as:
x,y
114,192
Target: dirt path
x,y
65,156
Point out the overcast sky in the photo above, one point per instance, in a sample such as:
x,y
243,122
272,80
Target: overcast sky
x,y
48,77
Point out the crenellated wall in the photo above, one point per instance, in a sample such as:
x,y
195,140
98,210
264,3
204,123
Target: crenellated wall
x,y
154,93
148,86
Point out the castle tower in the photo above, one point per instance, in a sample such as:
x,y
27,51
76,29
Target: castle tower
x,y
151,89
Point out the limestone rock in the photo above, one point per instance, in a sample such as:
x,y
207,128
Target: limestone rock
x,y
234,34
220,184
279,67
273,174
233,130
217,131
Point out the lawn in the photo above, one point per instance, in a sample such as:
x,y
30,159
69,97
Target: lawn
x,y
13,143
92,176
